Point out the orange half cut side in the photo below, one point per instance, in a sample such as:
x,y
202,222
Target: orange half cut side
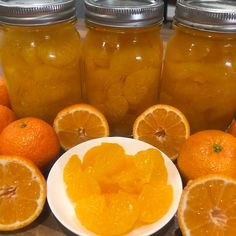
x,y
207,205
22,192
79,123
164,127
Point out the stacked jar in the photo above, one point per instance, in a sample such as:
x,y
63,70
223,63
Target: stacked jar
x,y
199,75
122,59
40,56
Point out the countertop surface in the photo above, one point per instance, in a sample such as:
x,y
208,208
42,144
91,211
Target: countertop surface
x,y
48,225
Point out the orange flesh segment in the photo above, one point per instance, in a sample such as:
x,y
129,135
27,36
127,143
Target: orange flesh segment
x,y
78,184
151,166
154,202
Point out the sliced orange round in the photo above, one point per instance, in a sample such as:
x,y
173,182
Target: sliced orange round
x,y
78,123
164,127
207,206
22,192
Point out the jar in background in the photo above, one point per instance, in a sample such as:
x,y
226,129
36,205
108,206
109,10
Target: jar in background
x,y
122,59
40,56
199,75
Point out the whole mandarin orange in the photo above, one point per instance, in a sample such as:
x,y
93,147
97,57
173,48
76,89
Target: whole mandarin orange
x,y
232,128
32,138
6,117
208,152
4,97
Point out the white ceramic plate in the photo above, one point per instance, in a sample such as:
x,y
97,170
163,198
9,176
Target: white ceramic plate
x,y
63,209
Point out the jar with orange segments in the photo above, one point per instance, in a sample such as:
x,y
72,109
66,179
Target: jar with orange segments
x,y
122,59
199,75
40,56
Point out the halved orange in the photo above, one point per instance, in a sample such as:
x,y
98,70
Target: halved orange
x,y
22,192
78,123
164,127
207,206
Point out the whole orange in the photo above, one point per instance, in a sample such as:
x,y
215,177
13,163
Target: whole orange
x,y
6,117
208,152
4,97
31,138
232,128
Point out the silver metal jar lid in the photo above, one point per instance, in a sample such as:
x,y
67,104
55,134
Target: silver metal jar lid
x,y
36,12
124,13
213,15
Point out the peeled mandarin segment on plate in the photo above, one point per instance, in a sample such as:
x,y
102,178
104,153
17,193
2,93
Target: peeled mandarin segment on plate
x,y
164,127
129,180
155,202
122,212
90,157
208,205
91,213
82,186
109,214
106,159
103,162
78,184
151,166
72,167
22,192
79,123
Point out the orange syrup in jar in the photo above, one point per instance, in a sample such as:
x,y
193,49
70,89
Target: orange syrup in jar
x,y
41,62
122,64
199,74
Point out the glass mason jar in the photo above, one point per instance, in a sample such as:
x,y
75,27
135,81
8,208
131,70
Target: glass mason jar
x,y
122,59
199,75
40,56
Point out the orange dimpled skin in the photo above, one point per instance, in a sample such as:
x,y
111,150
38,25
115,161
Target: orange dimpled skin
x,y
6,117
32,138
208,152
